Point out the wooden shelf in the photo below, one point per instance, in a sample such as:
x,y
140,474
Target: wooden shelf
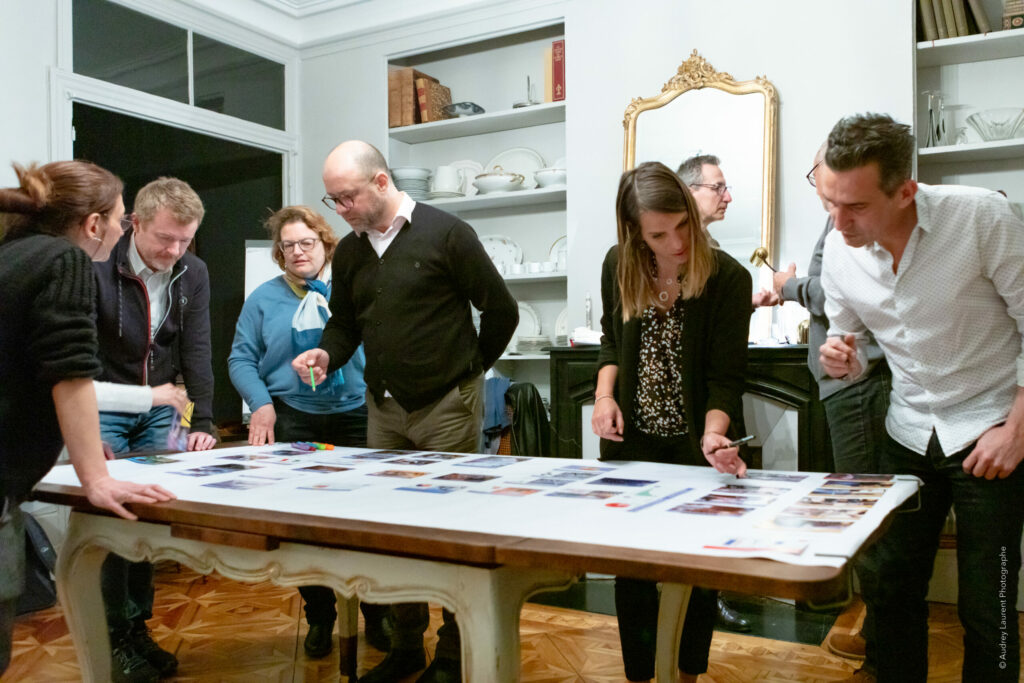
x,y
490,122
501,200
980,151
976,48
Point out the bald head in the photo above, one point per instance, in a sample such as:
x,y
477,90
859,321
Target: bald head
x,y
355,156
358,185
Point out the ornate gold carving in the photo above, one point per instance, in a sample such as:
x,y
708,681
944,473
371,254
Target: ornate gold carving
x,y
696,73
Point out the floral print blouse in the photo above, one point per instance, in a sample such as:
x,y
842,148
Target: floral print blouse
x,y
659,397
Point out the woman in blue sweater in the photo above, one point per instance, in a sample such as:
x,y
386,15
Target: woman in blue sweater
x,y
282,318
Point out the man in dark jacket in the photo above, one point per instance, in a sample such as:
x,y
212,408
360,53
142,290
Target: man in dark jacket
x,y
154,323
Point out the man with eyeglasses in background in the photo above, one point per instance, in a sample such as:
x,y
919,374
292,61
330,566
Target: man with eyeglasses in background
x,y
405,280
153,322
855,412
702,173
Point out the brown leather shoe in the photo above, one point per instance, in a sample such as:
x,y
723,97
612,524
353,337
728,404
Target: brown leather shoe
x,y
846,645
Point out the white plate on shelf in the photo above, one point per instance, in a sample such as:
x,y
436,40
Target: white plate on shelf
x,y
470,170
559,248
529,323
502,250
441,194
522,160
562,323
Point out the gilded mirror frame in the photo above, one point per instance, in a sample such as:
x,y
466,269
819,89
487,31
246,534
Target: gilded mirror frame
x,y
695,73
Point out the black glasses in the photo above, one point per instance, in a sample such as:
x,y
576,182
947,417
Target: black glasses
x,y
810,174
303,244
717,188
346,200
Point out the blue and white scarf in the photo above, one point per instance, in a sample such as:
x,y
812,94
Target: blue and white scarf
x,y
309,320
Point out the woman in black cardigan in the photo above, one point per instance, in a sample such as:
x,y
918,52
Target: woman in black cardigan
x,y
671,374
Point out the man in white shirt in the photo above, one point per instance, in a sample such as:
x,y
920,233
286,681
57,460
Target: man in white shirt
x,y
935,274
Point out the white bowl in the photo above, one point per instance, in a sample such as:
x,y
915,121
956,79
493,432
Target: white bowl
x,y
498,181
410,173
550,177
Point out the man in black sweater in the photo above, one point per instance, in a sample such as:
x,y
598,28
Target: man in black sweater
x,y
405,280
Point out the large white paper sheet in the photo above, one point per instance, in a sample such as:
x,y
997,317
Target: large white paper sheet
x,y
794,517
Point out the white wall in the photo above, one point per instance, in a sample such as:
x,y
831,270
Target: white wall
x,y
826,58
28,46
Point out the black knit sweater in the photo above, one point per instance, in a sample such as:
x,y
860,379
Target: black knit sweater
x,y
47,334
411,308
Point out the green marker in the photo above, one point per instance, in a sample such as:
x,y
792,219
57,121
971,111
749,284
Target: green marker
x,y
312,380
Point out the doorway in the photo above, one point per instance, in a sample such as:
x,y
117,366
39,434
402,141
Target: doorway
x,y
239,185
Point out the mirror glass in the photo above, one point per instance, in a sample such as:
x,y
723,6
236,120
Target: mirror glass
x,y
702,111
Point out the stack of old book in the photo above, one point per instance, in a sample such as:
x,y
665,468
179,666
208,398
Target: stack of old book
x,y
415,97
952,18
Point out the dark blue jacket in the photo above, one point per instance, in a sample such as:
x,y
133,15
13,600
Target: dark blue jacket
x,y
182,342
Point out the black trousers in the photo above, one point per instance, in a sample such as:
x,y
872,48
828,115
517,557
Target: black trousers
x,y
340,429
636,600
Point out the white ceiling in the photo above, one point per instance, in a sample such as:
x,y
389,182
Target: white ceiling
x,y
305,8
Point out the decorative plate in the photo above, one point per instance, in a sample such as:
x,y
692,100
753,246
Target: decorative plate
x,y
502,250
560,247
562,323
522,160
470,170
529,325
441,194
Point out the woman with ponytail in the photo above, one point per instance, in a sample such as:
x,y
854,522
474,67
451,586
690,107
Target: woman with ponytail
x,y
59,218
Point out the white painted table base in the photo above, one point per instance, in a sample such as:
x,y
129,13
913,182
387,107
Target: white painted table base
x,y
486,602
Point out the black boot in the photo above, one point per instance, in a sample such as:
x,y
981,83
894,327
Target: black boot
x,y
442,670
128,666
319,639
398,664
730,619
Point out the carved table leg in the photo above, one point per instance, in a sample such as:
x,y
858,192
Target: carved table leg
x,y
671,614
78,585
348,636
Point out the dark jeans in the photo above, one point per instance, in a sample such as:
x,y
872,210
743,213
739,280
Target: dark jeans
x,y
12,577
989,520
636,600
340,429
128,586
856,423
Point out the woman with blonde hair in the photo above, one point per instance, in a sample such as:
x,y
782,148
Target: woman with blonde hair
x,y
282,318
59,218
671,374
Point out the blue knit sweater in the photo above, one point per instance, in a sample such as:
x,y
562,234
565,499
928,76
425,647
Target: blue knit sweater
x,y
262,353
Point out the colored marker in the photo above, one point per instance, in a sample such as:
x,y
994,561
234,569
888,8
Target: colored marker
x,y
323,446
304,446
312,379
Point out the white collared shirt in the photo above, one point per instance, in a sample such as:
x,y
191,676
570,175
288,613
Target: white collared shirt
x,y
380,241
156,283
949,321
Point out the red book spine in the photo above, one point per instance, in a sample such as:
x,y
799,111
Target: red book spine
x,y
558,70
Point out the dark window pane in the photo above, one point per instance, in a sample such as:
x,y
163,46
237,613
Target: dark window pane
x,y
121,46
237,83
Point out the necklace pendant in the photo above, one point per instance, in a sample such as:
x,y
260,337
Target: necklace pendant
x,y
662,297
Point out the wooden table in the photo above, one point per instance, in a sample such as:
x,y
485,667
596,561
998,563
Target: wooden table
x,y
483,578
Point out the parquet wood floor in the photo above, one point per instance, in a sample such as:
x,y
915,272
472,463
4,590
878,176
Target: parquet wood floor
x,y
227,631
